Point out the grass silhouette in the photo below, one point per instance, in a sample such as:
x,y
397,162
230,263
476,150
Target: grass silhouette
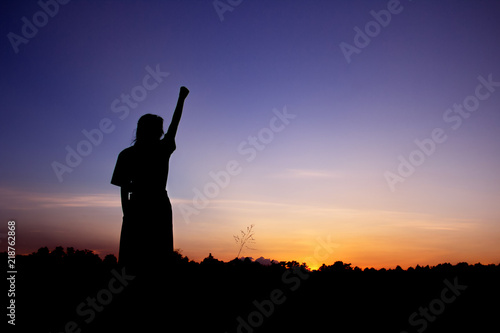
x,y
62,289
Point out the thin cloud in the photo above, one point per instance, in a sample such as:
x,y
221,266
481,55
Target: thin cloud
x,y
427,222
311,173
26,200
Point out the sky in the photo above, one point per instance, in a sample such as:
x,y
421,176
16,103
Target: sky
x,y
361,131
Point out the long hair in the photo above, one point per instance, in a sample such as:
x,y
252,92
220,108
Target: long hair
x,y
149,129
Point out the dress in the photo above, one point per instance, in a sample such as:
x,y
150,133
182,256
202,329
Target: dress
x,y
147,232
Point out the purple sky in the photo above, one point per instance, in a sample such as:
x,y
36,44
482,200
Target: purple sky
x,y
321,172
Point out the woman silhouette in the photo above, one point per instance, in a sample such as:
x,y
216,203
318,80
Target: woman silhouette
x,y
141,171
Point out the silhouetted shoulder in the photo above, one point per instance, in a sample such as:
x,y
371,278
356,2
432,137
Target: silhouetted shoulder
x,y
121,174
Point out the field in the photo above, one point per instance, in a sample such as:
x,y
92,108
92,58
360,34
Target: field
x,y
77,291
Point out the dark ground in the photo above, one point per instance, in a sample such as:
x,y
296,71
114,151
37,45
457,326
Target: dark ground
x,y
76,291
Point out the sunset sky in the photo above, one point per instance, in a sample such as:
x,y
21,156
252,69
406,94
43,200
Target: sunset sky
x,y
361,131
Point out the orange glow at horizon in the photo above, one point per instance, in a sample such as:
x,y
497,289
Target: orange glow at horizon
x,y
362,237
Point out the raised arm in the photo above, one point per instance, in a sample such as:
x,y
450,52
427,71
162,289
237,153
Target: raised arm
x,y
172,129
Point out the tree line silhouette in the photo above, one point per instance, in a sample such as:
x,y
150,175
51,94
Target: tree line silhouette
x,y
69,257
68,288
